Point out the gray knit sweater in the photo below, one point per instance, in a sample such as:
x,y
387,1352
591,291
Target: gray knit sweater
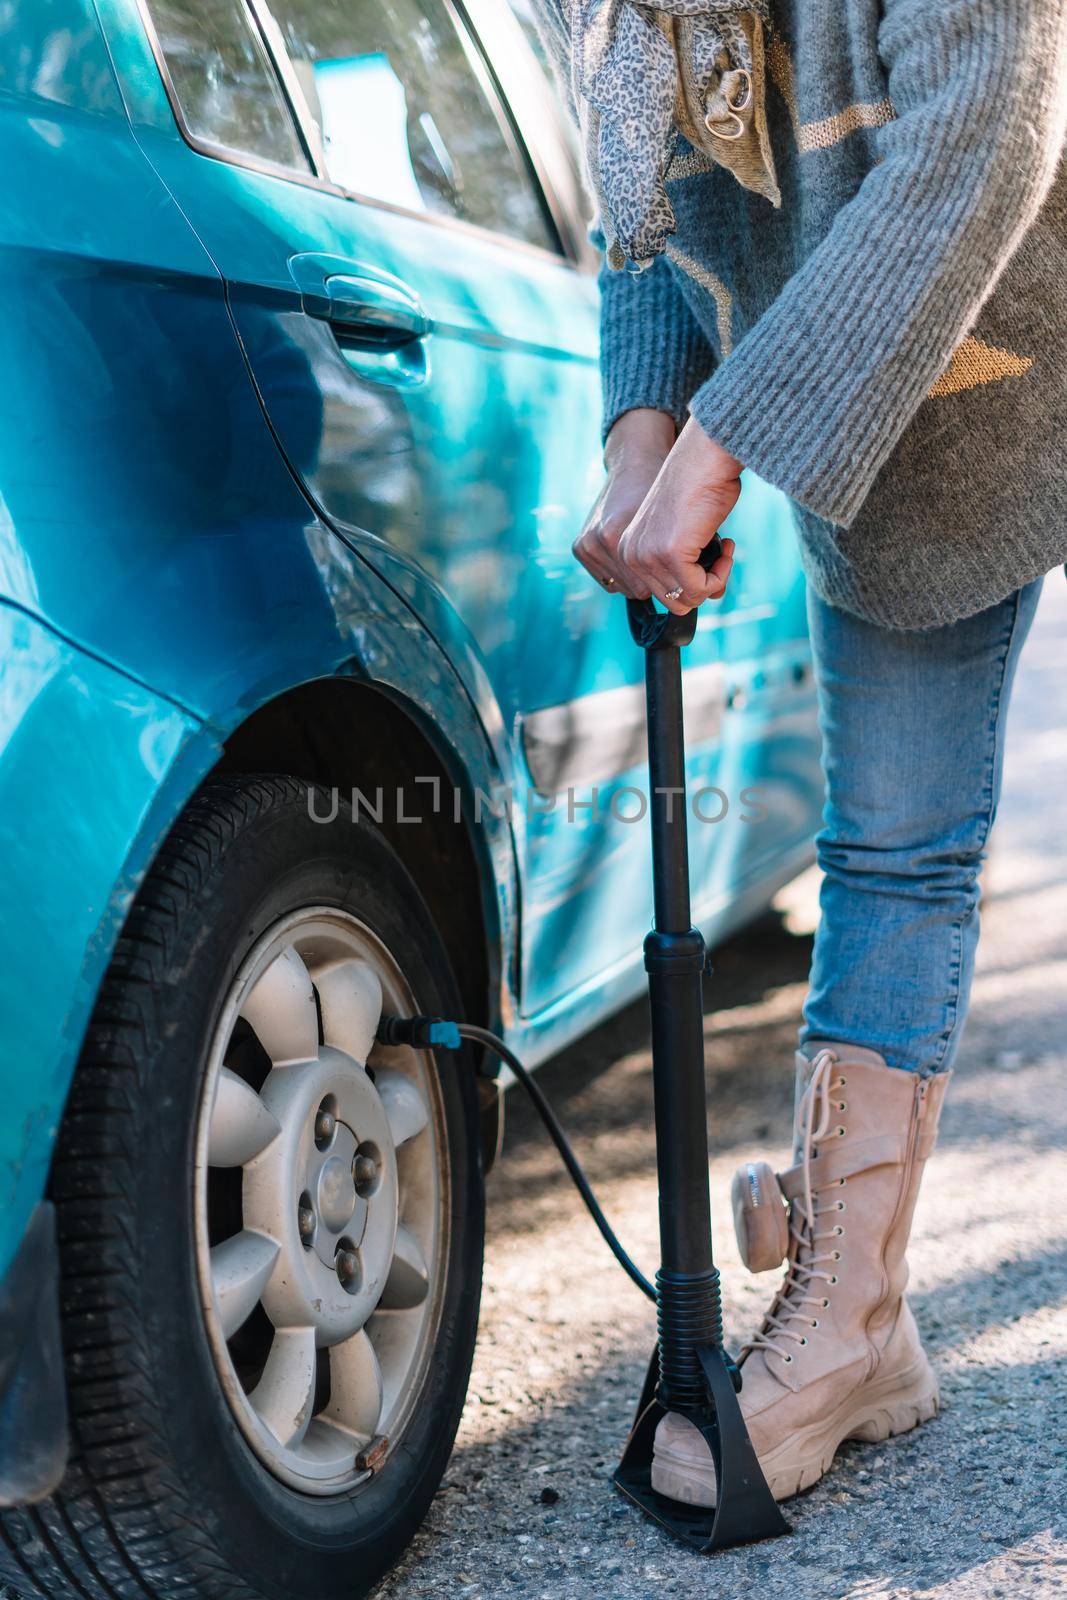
x,y
889,346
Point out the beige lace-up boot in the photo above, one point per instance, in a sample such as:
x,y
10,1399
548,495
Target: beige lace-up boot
x,y
838,1355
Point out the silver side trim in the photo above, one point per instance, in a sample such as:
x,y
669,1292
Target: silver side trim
x,y
598,736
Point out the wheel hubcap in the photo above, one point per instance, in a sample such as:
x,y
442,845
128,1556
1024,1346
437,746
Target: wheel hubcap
x,y
321,1235
337,1190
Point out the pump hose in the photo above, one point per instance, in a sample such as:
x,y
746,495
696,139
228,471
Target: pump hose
x,y
490,1041
435,1033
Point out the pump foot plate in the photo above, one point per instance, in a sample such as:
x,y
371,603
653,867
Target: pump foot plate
x,y
746,1511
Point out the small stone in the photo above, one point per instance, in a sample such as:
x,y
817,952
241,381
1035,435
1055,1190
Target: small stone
x,y
549,1496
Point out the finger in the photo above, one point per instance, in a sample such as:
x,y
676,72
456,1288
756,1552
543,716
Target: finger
x,y
642,577
696,584
610,554
721,569
693,585
723,564
665,588
620,581
611,563
702,584
595,556
623,580
588,551
671,575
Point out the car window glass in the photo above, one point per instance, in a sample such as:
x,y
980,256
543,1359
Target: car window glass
x,y
403,113
223,79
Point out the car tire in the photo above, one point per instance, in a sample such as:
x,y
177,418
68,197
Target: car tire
x,y
171,1490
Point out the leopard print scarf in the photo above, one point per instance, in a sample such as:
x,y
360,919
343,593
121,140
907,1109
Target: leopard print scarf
x,y
641,72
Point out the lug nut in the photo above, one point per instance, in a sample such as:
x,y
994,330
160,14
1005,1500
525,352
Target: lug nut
x,y
325,1124
364,1171
306,1219
347,1265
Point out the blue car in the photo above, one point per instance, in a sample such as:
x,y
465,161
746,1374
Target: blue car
x,y
307,716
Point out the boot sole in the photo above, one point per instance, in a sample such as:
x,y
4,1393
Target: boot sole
x,y
895,1404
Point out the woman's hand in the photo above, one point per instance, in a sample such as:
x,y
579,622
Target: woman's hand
x,y
636,449
693,493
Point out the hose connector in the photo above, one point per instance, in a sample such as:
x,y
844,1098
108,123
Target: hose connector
x,y
423,1033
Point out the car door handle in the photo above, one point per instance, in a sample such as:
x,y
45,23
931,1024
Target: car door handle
x,y
366,308
379,325
373,313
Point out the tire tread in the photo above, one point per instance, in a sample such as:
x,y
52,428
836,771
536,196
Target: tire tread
x,y
119,1496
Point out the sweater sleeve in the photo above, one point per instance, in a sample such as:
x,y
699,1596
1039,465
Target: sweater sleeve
x,y
653,351
817,394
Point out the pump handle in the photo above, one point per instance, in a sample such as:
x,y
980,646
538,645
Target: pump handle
x,y
658,630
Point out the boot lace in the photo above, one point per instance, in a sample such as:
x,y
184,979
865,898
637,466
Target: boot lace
x,y
810,1267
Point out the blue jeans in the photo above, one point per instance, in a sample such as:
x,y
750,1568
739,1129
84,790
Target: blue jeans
x,y
913,744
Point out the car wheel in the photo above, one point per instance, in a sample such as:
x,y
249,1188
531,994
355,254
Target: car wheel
x,y
270,1226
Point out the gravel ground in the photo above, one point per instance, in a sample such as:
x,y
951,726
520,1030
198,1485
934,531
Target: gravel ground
x,y
972,1505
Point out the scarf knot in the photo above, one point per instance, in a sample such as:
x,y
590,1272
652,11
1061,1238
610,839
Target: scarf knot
x,y
645,71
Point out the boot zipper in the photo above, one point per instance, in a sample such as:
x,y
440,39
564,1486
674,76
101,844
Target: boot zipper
x,y
918,1112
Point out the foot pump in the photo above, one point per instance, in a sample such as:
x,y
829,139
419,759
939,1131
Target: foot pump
x,y
690,1372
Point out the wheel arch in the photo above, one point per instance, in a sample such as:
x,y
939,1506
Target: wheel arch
x,y
350,734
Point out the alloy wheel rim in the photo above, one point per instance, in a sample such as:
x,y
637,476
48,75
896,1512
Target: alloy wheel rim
x,y
321,1203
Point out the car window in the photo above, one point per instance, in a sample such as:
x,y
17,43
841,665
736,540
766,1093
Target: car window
x,y
403,112
223,79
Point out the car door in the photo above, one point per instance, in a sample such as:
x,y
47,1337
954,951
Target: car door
x,y
404,278
426,350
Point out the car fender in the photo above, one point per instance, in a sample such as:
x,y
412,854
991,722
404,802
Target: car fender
x,y
96,767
